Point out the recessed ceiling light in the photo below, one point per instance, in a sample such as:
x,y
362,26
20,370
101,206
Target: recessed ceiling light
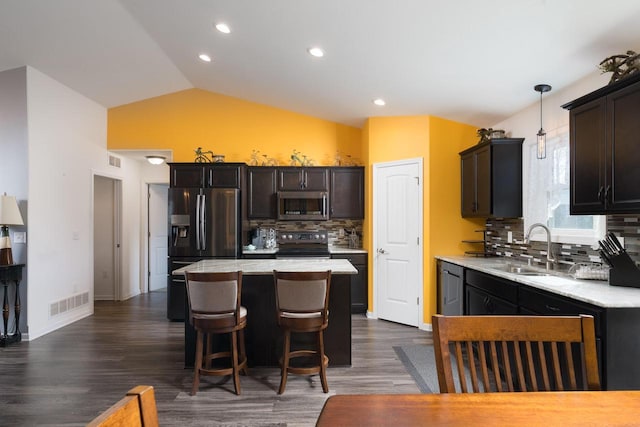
x,y
379,102
223,28
204,57
316,51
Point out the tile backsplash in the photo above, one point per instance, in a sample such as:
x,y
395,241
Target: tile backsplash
x,y
333,227
627,226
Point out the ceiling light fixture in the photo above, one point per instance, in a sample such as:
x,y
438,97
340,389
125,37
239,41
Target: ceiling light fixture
x,y
316,51
204,57
379,102
542,135
223,28
155,160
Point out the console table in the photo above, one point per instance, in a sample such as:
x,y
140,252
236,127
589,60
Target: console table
x,y
10,274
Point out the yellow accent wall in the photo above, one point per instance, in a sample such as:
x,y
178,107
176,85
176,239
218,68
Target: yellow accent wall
x,y
186,120
437,141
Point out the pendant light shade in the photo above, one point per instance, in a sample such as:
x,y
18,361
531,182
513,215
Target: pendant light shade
x,y
541,147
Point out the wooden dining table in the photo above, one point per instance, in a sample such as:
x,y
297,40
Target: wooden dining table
x,y
547,409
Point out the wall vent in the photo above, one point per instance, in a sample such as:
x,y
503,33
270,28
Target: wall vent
x,y
66,304
114,161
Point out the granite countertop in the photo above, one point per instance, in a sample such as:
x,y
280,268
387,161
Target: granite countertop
x,y
266,266
595,292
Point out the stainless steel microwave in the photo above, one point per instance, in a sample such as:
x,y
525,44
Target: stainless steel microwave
x,y
303,205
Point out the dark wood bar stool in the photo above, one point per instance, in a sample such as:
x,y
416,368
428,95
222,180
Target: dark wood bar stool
x,y
214,308
302,301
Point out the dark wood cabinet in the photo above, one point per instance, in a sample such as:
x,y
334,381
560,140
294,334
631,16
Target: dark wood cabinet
x,y
206,175
450,289
227,175
261,188
346,193
491,178
487,294
604,155
344,184
617,328
359,282
186,175
303,178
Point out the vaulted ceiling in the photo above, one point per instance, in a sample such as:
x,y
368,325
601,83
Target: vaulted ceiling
x,y
466,60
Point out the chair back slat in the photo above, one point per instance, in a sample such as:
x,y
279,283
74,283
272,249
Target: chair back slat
x,y
507,367
519,366
515,353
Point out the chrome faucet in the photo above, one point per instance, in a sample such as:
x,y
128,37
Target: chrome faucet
x,y
550,259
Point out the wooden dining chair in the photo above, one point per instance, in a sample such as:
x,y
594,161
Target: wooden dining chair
x,y
214,308
136,409
302,306
515,353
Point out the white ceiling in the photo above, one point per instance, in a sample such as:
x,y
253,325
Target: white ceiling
x,y
466,60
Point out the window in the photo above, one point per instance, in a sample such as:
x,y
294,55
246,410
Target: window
x,y
546,200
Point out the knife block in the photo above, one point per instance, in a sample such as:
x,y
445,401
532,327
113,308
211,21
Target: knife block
x,y
624,272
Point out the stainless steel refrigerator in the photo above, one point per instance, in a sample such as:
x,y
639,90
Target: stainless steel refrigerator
x,y
203,223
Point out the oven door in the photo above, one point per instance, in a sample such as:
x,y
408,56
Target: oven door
x,y
296,251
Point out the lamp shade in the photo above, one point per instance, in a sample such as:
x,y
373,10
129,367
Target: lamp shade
x,y
9,212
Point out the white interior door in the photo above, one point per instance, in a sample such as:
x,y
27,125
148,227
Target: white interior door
x,y
397,205
158,202
107,212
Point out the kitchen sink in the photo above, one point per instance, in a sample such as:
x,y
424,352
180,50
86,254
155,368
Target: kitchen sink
x,y
521,270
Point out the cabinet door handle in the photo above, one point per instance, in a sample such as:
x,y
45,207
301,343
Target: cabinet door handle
x,y
608,195
551,308
601,195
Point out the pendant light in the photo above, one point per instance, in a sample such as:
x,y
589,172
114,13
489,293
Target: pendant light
x,y
541,147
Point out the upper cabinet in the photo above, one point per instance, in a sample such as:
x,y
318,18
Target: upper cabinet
x,y
491,175
206,175
345,186
262,187
346,194
303,178
604,141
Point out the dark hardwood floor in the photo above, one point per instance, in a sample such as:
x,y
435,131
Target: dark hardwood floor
x,y
68,377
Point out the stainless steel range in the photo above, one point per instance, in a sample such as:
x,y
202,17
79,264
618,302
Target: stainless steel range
x,y
295,244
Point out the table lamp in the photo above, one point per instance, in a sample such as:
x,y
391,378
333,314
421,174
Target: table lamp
x,y
9,215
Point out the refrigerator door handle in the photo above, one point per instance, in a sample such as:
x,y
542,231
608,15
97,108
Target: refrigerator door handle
x,y
197,222
203,215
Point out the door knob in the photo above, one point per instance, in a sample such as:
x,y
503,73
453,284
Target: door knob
x,y
381,251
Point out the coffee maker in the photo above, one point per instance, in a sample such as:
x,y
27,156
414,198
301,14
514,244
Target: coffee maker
x,y
263,238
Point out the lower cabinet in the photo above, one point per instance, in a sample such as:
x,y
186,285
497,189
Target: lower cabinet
x,y
450,289
359,282
617,328
486,294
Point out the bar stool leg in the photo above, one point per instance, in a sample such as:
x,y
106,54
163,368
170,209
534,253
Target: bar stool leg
x,y
198,363
243,352
323,368
234,361
285,361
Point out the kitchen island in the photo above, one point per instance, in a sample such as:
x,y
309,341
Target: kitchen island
x,y
263,338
